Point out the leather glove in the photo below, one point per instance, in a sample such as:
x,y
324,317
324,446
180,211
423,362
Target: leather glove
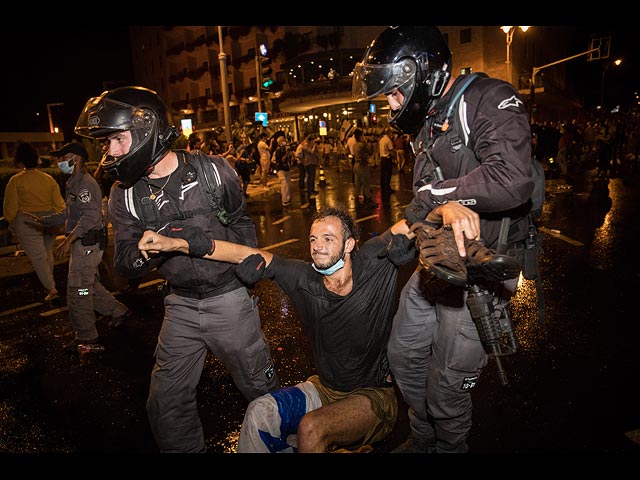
x,y
400,250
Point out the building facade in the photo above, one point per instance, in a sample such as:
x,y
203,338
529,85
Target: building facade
x,y
311,90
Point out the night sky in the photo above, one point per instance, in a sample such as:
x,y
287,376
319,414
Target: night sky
x,y
54,63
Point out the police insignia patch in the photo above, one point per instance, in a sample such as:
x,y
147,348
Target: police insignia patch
x,y
84,196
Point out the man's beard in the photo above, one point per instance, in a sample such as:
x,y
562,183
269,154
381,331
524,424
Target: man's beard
x,y
332,261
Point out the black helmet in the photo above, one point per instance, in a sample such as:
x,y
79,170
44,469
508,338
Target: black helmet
x,y
138,110
416,61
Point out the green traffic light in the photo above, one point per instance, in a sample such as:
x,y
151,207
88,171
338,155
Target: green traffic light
x,y
267,83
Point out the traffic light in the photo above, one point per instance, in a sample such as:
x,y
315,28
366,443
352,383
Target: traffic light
x,y
265,69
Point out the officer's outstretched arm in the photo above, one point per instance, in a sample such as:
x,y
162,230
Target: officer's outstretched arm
x,y
153,243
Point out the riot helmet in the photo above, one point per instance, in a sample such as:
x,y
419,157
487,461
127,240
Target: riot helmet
x,y
416,61
138,110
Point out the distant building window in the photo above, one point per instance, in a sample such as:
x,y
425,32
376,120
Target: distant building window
x,y
465,36
466,70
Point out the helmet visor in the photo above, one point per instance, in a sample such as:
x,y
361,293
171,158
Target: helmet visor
x,y
103,116
370,80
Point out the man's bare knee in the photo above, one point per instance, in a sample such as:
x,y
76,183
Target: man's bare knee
x,y
310,435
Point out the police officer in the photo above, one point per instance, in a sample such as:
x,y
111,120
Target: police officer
x,y
208,307
434,351
85,242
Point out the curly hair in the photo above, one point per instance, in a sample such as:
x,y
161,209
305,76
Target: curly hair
x,y
350,228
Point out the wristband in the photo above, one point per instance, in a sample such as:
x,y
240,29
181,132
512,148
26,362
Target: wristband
x,y
200,244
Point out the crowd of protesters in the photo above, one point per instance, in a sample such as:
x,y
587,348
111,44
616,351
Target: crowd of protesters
x,y
602,140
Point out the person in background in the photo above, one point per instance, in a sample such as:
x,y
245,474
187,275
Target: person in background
x,y
302,177
207,309
345,301
604,142
311,161
34,191
349,145
283,158
243,163
195,143
85,242
435,352
265,158
400,146
385,147
362,172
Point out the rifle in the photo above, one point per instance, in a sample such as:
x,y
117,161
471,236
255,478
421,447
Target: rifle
x,y
492,321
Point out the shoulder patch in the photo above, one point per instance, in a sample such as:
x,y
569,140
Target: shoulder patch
x,y
84,196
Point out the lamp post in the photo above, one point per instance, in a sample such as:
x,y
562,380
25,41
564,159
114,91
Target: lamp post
x,y
606,66
509,31
52,129
222,57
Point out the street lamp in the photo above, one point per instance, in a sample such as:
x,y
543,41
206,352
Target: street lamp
x,y
52,129
509,31
606,66
49,105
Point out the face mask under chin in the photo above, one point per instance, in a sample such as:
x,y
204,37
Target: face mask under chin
x,y
330,270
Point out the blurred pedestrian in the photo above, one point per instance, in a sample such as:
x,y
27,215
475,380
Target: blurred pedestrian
x,y
400,145
283,158
34,191
195,143
362,171
243,165
302,177
604,142
85,241
265,158
311,160
385,147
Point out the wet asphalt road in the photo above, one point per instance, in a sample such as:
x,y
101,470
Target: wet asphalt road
x,y
571,385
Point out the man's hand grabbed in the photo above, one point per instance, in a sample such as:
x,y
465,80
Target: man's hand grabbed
x,y
252,269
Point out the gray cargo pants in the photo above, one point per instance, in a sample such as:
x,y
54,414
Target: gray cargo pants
x,y
436,359
85,293
229,326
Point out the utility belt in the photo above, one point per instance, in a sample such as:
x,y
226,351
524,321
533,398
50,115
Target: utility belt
x,y
199,295
98,236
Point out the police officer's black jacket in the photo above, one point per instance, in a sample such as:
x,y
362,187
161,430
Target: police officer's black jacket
x,y
182,203
494,175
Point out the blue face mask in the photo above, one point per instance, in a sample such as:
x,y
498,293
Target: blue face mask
x,y
65,167
331,270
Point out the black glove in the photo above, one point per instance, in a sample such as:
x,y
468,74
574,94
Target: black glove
x,y
251,270
200,244
400,250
